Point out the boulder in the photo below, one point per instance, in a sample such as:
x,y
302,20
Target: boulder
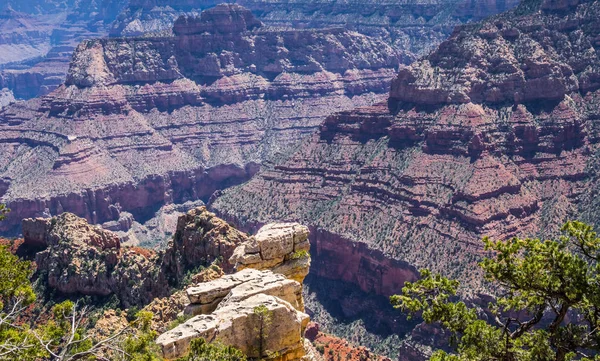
x,y
238,325
281,247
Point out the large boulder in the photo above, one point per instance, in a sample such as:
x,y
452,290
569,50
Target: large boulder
x,y
206,297
280,247
238,325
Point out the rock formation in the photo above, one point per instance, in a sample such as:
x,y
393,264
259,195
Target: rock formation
x,y
413,27
280,247
226,309
78,258
491,134
201,238
150,121
208,296
236,324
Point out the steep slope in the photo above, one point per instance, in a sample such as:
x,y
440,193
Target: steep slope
x,y
147,121
495,133
411,26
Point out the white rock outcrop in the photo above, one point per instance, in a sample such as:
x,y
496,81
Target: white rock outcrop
x,y
237,324
281,247
208,296
271,267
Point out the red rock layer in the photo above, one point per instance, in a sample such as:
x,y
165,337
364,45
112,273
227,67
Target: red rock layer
x,y
332,348
148,121
492,134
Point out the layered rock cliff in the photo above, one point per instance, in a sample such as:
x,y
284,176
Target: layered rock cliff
x,y
493,134
410,26
148,121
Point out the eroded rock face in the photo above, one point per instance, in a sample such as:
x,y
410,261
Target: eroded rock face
x,y
235,325
281,247
79,258
454,155
227,309
414,27
201,238
83,259
222,19
150,121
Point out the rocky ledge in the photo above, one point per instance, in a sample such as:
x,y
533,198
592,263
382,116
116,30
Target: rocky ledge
x,y
143,122
237,324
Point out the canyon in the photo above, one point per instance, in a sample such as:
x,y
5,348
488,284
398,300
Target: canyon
x,y
141,122
39,37
492,134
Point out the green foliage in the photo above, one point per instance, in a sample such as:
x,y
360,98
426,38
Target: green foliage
x,y
548,304
3,211
16,294
265,318
14,278
178,321
200,350
299,255
140,345
62,336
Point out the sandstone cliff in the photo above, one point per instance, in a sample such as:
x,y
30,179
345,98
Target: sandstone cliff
x,y
149,121
260,312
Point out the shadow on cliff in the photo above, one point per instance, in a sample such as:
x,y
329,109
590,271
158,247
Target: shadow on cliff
x,y
346,303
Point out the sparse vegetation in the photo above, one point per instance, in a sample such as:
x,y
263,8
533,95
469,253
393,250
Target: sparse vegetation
x,y
262,328
200,350
547,306
299,255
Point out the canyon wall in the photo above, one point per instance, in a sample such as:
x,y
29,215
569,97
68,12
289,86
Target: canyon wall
x,y
492,134
147,121
412,27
